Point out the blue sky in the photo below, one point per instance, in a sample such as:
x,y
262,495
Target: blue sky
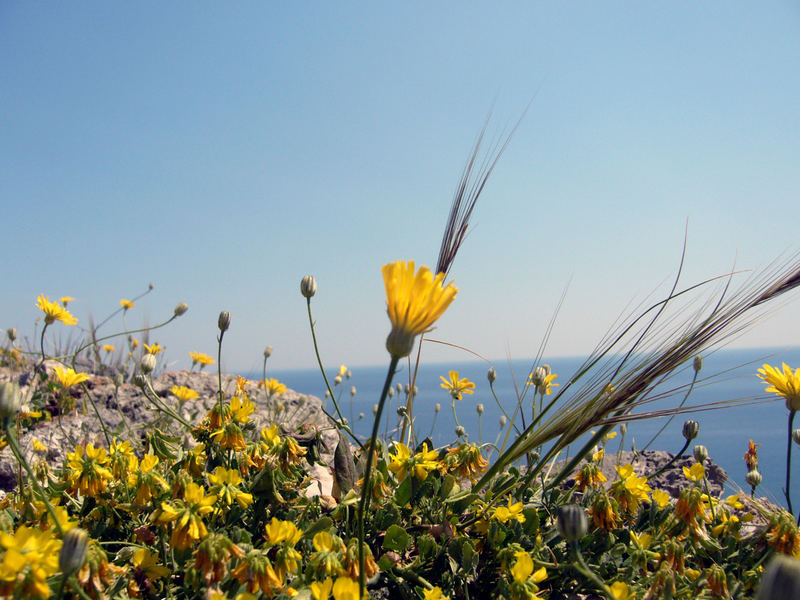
x,y
223,152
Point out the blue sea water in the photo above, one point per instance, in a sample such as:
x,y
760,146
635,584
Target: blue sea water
x,y
727,375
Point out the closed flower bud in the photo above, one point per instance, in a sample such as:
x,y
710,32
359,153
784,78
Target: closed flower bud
x,y
535,456
374,409
399,387
437,407
337,380
267,351
753,478
352,390
796,436
10,399
491,375
11,332
781,579
151,285
460,431
538,376
698,363
360,415
503,421
691,429
139,380
224,320
571,522
73,550
700,453
401,411
148,363
623,429
391,392
407,389
181,309
308,286
479,408
119,379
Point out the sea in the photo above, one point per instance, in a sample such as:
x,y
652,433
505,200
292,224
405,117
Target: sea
x,y
730,402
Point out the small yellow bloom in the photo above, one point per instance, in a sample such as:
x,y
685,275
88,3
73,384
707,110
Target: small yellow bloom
x,y
419,464
345,588
434,594
183,393
53,312
108,348
620,591
342,371
457,386
661,498
201,359
414,302
733,502
68,377
273,386
696,473
66,300
153,349
785,384
126,304
321,590
506,513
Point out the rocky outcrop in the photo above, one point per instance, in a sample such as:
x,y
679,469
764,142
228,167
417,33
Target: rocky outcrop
x,y
126,411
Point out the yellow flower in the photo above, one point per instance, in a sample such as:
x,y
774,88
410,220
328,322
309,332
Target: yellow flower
x,y
201,359
53,312
733,502
273,386
88,469
523,568
183,393
434,594
147,562
342,370
108,348
147,482
786,384
188,513
546,386
31,557
457,386
696,473
661,498
345,588
126,304
629,490
283,531
153,349
415,300
419,464
321,590
506,513
66,300
225,482
620,591
68,377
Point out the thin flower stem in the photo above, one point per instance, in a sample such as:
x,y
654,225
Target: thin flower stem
x,y
322,368
789,463
114,335
97,412
591,575
365,489
664,426
219,375
708,495
148,387
670,463
15,449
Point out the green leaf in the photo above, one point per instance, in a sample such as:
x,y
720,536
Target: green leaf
x,y
322,524
396,539
402,495
461,501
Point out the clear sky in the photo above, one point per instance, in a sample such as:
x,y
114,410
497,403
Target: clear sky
x,y
222,151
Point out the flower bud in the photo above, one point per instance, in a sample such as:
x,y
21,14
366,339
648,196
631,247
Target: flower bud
x,y
308,286
407,389
391,392
460,431
148,363
623,429
698,363
538,376
415,390
781,579
11,332
503,421
10,399
267,351
374,409
479,408
700,453
360,415
437,407
535,456
151,285
491,375
401,411
119,379
352,390
691,429
337,380
73,550
796,436
327,394
399,387
139,380
571,522
181,309
224,320
753,478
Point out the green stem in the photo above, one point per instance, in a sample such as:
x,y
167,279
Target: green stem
x,y
664,426
15,449
588,573
789,463
671,461
97,412
341,423
219,375
365,490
